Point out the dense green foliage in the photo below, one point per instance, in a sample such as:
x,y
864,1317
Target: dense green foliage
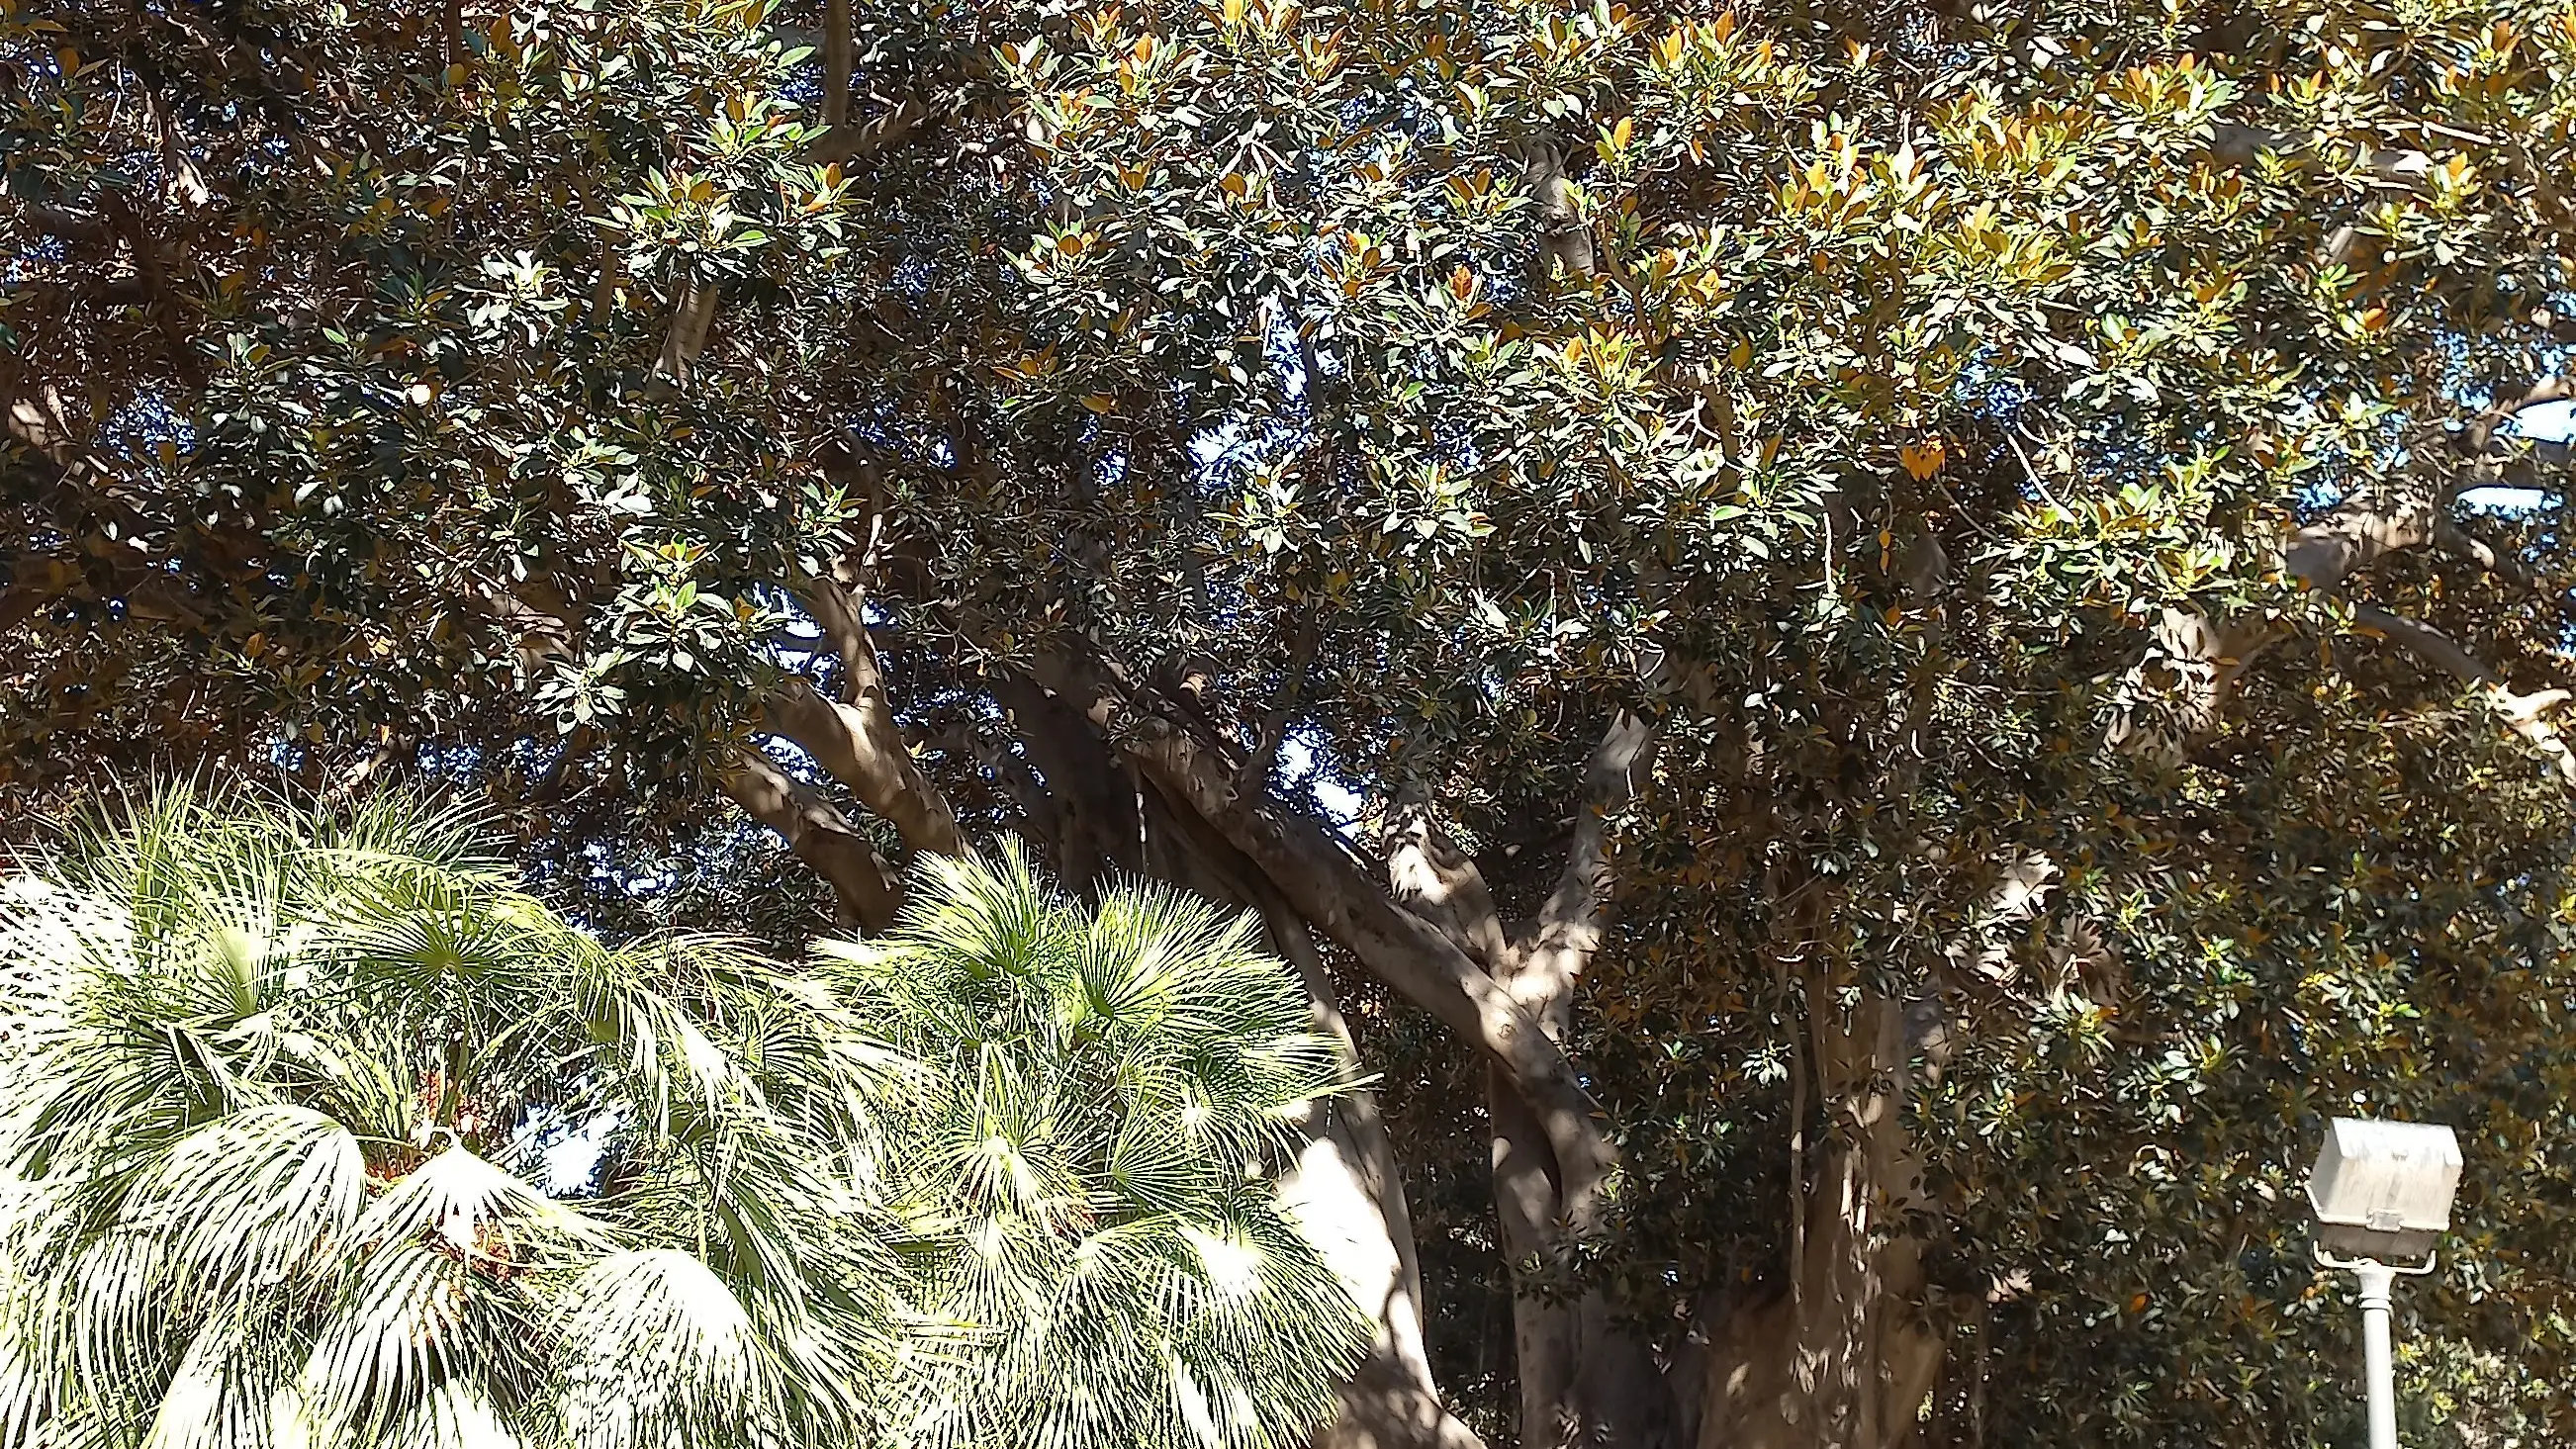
x,y
2035,468
280,1096
1109,1098
315,1130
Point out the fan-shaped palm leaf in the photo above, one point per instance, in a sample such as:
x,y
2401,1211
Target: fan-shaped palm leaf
x,y
1111,1092
275,1086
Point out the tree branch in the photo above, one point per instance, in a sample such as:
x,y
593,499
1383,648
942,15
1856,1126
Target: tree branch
x,y
1332,891
2234,144
2356,535
2527,713
1283,701
1565,244
1083,774
1431,877
2453,539
1561,940
841,614
860,745
836,63
2427,641
686,337
857,142
2481,430
821,836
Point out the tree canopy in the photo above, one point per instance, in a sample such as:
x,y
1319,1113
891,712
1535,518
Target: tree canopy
x,y
1874,653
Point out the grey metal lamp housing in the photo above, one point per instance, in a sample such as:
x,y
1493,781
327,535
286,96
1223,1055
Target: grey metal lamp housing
x,y
2382,1190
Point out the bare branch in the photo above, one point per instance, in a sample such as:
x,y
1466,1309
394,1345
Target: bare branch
x,y
1437,881
67,225
1565,244
860,745
2480,431
1283,702
2451,538
857,142
2360,533
686,337
1561,940
836,63
2425,640
841,614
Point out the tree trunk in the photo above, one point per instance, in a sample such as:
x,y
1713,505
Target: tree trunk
x,y
1346,1195
1843,1359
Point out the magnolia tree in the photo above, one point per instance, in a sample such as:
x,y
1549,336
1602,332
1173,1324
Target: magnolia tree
x,y
2007,542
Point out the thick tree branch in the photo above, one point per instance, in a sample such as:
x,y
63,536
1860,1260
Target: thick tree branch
x,y
856,738
841,614
1437,881
2456,540
1565,243
1543,1325
860,745
2425,640
2527,713
2356,535
1331,889
67,225
1559,943
1083,774
1582,1379
820,835
1392,1400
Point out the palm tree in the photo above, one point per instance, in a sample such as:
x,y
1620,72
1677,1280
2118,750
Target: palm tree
x,y
314,1131
1089,1167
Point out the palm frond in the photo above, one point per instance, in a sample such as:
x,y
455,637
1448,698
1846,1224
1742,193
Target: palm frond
x,y
233,1388
1112,1093
274,1081
657,1351
409,1322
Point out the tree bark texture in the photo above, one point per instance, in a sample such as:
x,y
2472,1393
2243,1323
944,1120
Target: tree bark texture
x,y
1843,1358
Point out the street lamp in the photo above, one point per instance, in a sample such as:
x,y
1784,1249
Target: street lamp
x,y
2381,1193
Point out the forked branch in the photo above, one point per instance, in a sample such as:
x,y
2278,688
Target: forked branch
x,y
2527,713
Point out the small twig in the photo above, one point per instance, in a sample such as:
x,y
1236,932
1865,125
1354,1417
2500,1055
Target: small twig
x,y
2012,436
1257,765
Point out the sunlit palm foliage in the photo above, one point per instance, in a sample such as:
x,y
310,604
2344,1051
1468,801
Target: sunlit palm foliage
x,y
314,1131
1111,1096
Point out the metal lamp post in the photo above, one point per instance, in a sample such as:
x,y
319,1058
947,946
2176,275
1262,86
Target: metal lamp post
x,y
2381,1193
